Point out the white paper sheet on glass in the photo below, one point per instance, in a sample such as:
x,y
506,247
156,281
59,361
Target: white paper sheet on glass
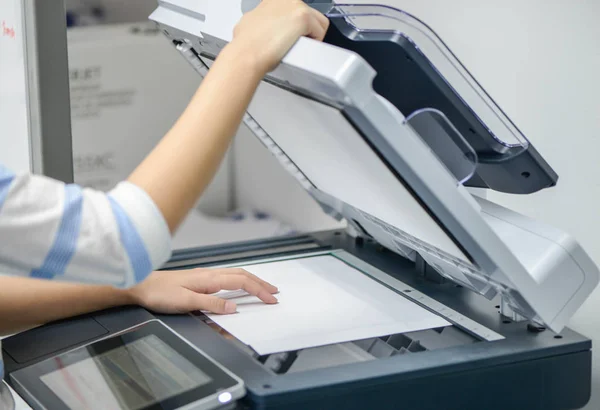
x,y
322,301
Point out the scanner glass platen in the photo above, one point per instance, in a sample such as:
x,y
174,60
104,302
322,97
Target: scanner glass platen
x,y
308,322
322,301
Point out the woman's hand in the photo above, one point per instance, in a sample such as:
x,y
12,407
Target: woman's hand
x,y
26,302
190,290
273,27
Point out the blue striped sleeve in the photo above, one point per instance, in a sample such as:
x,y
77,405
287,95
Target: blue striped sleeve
x,y
132,242
6,179
65,242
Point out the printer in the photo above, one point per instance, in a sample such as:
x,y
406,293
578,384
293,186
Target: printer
x,y
386,129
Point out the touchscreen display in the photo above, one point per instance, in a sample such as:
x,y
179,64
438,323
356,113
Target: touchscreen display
x,y
130,377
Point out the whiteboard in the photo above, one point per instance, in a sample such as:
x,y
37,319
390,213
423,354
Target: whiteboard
x,y
15,150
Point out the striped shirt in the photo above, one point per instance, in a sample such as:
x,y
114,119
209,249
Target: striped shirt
x,y
52,230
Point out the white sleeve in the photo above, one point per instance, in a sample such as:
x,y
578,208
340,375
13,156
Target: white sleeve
x,y
52,230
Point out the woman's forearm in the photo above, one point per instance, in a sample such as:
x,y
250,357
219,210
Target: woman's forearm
x,y
182,165
25,302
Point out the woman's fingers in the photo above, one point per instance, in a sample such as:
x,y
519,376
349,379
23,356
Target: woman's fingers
x,y
252,287
207,282
323,22
313,23
213,281
213,304
239,271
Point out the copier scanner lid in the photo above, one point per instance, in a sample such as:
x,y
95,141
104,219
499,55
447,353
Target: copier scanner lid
x,y
384,127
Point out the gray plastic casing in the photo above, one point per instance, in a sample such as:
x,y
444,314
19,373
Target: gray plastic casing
x,y
543,274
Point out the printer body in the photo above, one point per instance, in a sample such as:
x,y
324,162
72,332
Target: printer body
x,y
386,129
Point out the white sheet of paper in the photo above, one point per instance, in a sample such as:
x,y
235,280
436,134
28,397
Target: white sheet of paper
x,y
322,301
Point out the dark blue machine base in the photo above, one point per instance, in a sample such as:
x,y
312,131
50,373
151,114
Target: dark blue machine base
x,y
527,370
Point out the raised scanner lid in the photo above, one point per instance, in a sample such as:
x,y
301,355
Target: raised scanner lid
x,y
394,176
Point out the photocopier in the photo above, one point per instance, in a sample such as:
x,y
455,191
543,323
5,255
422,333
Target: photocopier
x,y
387,130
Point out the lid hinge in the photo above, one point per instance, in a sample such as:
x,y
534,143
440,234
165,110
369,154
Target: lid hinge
x,y
427,272
507,311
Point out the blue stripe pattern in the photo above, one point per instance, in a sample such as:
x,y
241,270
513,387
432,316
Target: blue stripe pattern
x,y
65,243
132,242
6,179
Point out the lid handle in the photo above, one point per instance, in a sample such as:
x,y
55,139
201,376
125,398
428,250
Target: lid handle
x,y
445,141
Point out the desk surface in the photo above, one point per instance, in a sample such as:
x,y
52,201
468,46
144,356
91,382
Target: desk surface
x,y
6,400
19,403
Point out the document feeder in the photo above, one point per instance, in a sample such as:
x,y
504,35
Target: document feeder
x,y
385,102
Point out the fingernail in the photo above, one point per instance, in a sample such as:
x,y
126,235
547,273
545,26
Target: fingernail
x,y
230,307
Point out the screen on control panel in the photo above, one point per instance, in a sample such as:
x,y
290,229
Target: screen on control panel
x,y
130,377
